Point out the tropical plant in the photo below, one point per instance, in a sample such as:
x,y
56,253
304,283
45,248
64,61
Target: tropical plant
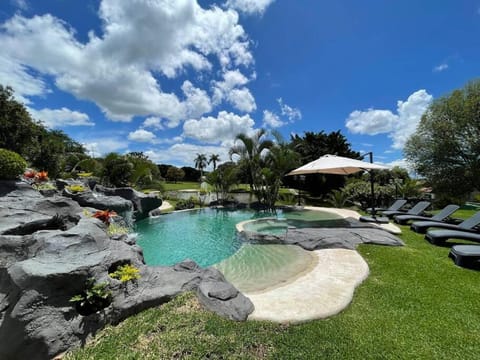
x,y
104,215
214,158
201,163
126,273
445,147
41,176
76,188
223,179
95,297
337,198
117,229
117,170
251,152
11,165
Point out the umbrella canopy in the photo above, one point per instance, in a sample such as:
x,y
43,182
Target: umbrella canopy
x,y
332,164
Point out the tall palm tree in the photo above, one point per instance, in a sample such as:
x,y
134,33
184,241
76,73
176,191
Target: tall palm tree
x,y
201,163
213,159
251,151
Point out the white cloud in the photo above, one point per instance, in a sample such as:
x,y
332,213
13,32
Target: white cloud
x,y
153,122
101,146
292,114
232,90
271,119
142,135
54,118
120,68
21,4
371,122
184,154
441,67
399,126
249,6
221,129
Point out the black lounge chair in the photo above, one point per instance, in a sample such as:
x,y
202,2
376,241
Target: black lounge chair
x,y
442,215
440,236
396,206
419,208
466,225
466,256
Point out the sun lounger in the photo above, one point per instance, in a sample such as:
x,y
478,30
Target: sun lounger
x,y
396,206
440,236
466,256
442,215
466,225
419,208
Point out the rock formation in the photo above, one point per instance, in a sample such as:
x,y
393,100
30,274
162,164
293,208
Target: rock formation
x,y
49,249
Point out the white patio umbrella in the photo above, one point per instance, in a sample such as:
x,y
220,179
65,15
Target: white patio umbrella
x,y
338,165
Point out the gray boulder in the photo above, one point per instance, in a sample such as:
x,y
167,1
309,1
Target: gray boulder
x,y
100,201
142,203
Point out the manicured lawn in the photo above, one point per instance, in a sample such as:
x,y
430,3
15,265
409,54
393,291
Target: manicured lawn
x,y
181,185
416,304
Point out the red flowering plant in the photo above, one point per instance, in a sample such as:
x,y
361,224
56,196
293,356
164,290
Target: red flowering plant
x,y
41,176
29,174
104,215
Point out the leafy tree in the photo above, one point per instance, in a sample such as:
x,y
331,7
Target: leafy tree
x,y
251,152
201,163
223,178
144,170
214,158
445,148
174,174
117,170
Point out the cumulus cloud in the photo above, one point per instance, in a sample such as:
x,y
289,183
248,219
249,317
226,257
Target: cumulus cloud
x,y
141,135
21,4
233,91
399,126
119,69
271,119
184,154
249,7
441,67
153,122
292,114
55,118
221,129
103,145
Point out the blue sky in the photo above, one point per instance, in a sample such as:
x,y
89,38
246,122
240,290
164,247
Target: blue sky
x,y
177,78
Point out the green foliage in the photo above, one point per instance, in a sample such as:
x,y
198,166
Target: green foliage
x,y
337,198
12,165
185,204
117,170
126,273
214,158
201,163
174,174
76,188
44,186
117,229
95,297
223,179
360,191
445,148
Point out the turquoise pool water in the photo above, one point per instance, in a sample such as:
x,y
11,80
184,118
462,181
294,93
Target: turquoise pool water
x,y
209,236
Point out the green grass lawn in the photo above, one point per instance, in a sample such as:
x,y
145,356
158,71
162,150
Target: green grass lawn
x,y
416,304
181,185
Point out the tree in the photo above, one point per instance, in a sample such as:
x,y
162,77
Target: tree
x,y
223,178
214,158
174,174
251,151
201,163
117,170
445,148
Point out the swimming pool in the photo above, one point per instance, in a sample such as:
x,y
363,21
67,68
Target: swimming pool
x,y
208,236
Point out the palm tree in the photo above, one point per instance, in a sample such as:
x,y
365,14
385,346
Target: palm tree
x,y
200,163
251,151
213,159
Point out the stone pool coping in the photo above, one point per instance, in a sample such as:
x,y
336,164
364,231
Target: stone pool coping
x,y
325,290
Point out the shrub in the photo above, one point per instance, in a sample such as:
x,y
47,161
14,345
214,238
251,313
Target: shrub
x,y
126,273
76,188
11,165
117,229
95,297
185,204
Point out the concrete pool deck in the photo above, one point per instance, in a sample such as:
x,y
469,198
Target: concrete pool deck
x,y
325,290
